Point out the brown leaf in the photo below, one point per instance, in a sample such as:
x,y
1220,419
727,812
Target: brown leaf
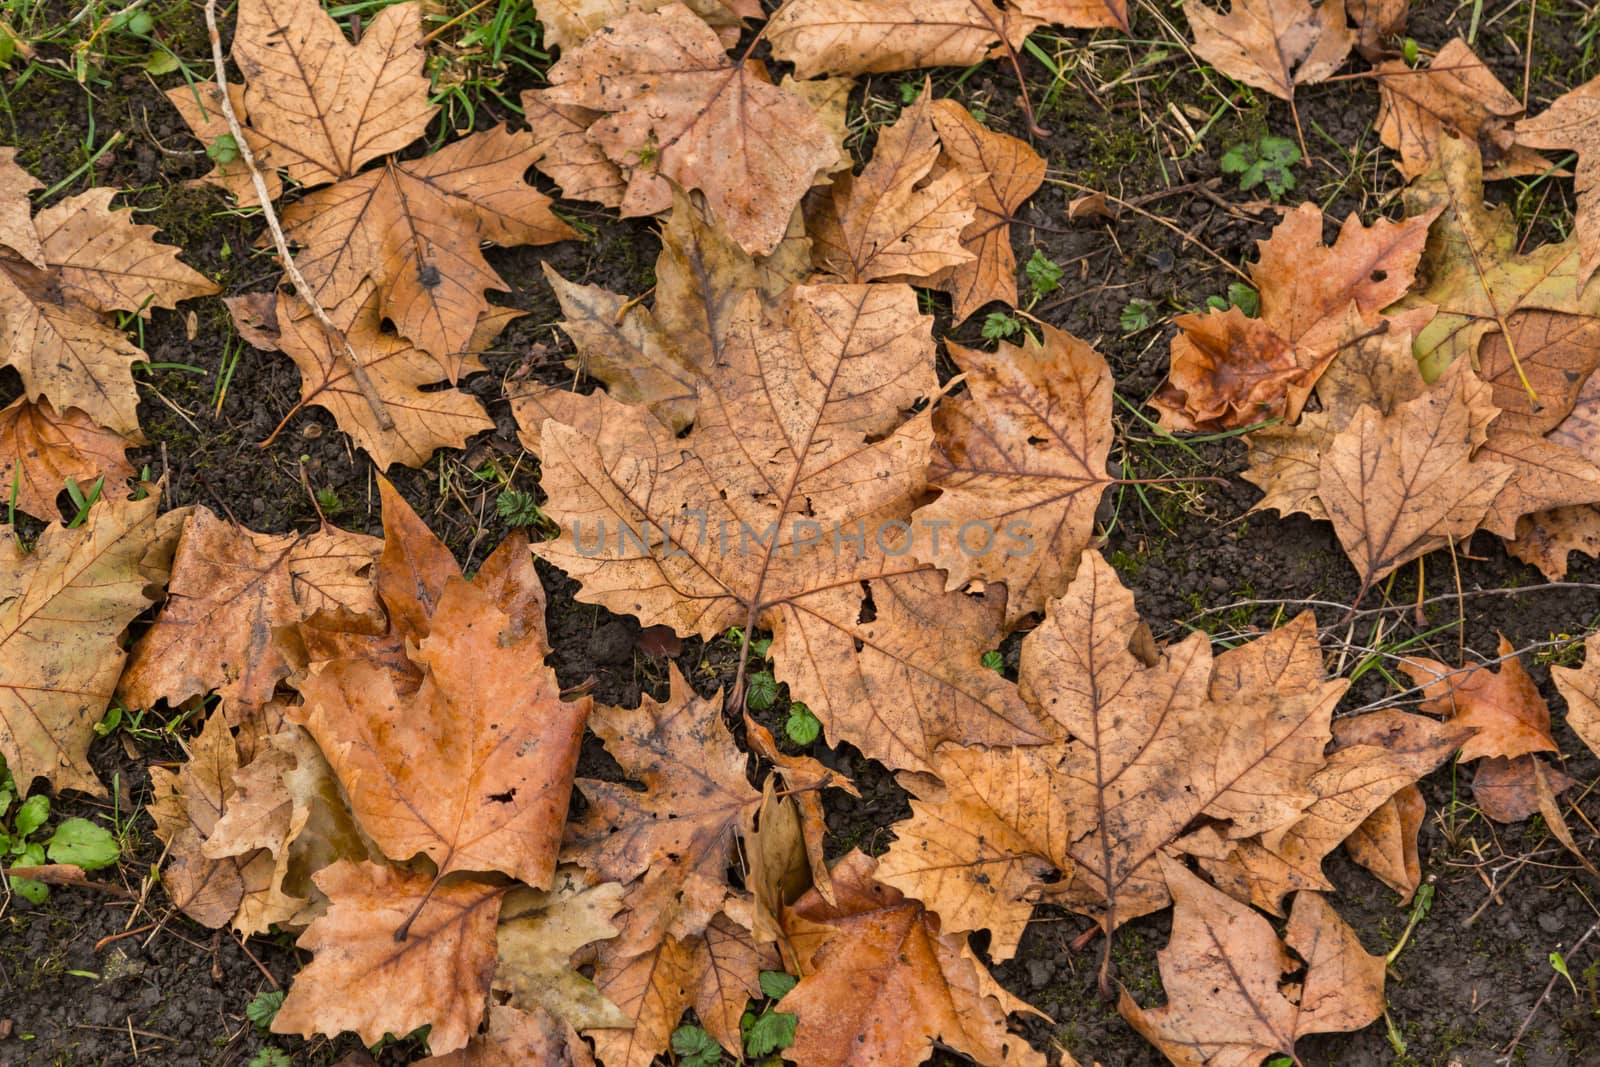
x,y
1003,172
40,449
231,589
1021,456
1399,486
1570,123
570,21
413,229
1243,737
1456,94
880,982
799,432
364,978
54,320
200,107
186,807
519,1039
1378,23
1386,843
1544,475
424,420
1546,538
678,835
1272,44
805,778
1580,687
900,217
674,107
63,609
1225,974
979,852
566,154
1507,790
326,108
1503,706
16,211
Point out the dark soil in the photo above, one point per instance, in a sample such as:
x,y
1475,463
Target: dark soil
x,y
169,992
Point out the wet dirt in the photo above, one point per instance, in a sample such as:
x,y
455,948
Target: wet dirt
x,y
99,978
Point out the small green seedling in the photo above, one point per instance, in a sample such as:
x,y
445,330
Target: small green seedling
x,y
517,507
223,150
762,691
999,326
693,1047
1044,274
994,661
1137,315
263,1008
1240,296
802,726
76,841
767,1032
271,1056
1263,162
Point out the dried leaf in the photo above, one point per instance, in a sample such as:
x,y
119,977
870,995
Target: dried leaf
x,y
231,589
880,982
41,448
1569,123
899,218
365,978
1378,22
17,234
1386,843
200,107
1272,44
1021,456
1507,790
1225,974
675,107
63,609
519,1039
186,808
1503,707
566,154
540,931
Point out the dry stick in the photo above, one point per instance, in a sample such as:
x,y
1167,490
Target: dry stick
x,y
1157,219
370,393
1548,989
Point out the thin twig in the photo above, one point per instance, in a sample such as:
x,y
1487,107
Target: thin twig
x,y
380,411
1548,989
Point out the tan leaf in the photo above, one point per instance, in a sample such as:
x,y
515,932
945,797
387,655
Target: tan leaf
x,y
473,767
1569,123
40,449
779,870
1225,975
424,420
200,107
1503,706
16,211
566,155
799,433
1544,475
413,229
63,609
1580,687
519,1039
1022,460
715,972
1378,23
880,983
325,107
678,835
1399,486
1386,843
899,218
1246,733
805,778
1272,44
830,99
186,808
675,107
1455,95
1546,538
366,978
1507,790
1003,172
978,853
230,590
540,931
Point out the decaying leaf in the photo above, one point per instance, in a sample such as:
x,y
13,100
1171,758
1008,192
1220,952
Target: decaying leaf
x,y
200,106
365,977
1378,23
40,448
1022,453
540,931
1573,122
55,319
566,154
1386,842
1272,44
674,106
571,21
1456,94
231,589
470,759
1580,686
1227,979
519,1039
799,435
63,608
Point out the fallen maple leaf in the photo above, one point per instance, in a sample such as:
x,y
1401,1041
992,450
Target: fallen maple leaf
x,y
1272,44
899,218
1386,842
63,609
1229,370
1503,706
1225,974
571,21
1456,94
800,426
868,36
1570,123
1025,449
230,591
540,931
676,838
1580,687
55,315
1010,173
471,760
363,977
675,107
519,1039
16,213
40,449
566,154
200,107
1508,790
880,982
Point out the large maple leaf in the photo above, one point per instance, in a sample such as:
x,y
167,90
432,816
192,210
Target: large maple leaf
x,y
446,731
55,313
800,441
1272,44
40,448
63,609
674,106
